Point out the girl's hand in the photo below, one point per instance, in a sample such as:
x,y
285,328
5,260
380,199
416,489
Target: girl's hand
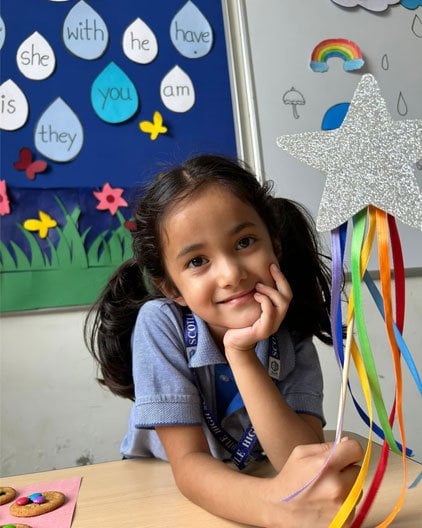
x,y
274,305
316,506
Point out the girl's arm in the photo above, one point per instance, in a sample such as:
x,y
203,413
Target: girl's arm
x,y
277,426
225,492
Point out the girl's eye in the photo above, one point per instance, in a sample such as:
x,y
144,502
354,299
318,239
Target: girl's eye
x,y
196,262
245,242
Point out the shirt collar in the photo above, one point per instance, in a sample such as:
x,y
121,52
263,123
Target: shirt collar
x,y
207,351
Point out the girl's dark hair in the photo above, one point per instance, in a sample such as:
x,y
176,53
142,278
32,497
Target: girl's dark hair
x,y
109,324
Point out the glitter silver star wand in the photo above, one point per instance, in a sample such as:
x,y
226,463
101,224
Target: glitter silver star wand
x,y
369,165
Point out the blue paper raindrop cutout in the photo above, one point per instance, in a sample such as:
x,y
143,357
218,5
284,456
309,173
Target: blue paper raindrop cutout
x,y
85,33
2,32
59,134
334,116
113,95
191,32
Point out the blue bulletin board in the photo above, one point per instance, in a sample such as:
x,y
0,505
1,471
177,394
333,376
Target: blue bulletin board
x,y
63,256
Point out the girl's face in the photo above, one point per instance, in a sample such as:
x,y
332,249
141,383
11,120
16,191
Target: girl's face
x,y
216,248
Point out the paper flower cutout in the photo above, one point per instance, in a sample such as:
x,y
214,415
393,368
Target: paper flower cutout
x,y
42,225
155,127
110,199
371,5
369,160
30,167
4,199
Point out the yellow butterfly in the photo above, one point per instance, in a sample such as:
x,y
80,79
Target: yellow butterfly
x,y
42,225
154,128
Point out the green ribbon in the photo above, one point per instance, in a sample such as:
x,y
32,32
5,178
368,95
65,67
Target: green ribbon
x,y
368,359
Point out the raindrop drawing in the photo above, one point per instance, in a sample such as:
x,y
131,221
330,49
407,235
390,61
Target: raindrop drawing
x,y
385,64
401,105
293,98
59,133
417,26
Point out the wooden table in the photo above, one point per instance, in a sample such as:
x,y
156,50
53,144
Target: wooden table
x,y
142,494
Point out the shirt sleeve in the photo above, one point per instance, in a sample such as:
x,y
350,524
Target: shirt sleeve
x,y
303,386
165,391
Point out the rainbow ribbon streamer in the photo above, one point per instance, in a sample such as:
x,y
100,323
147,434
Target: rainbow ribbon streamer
x,y
384,227
373,222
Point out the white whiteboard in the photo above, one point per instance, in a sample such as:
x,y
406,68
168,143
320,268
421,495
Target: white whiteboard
x,y
272,42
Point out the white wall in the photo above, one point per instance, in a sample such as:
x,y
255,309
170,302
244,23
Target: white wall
x,y
54,415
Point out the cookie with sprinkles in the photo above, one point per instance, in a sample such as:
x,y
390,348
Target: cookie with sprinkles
x,y
37,504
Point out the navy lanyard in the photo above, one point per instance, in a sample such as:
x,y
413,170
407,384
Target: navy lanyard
x,y
240,450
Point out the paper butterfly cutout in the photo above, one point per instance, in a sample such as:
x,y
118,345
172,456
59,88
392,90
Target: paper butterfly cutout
x,y
155,128
42,225
30,167
130,225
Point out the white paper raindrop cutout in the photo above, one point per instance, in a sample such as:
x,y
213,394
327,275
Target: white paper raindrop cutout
x,y
35,57
177,91
139,42
14,107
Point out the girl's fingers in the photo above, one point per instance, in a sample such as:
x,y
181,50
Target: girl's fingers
x,y
266,321
346,453
281,282
274,295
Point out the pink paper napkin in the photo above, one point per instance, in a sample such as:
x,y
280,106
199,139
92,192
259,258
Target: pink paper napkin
x,y
60,518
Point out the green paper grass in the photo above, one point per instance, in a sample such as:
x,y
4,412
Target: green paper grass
x,y
68,273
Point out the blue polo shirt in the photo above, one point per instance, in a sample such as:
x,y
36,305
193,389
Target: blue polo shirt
x,y
165,388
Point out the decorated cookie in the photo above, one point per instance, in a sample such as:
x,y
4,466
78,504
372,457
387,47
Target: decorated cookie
x,y
6,495
15,526
37,504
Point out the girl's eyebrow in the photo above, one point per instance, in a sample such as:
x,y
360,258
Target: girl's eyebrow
x,y
241,227
196,247
189,249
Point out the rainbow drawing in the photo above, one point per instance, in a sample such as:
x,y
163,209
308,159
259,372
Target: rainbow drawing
x,y
347,50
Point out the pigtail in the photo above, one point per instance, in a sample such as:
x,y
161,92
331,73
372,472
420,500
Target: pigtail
x,y
306,270
109,324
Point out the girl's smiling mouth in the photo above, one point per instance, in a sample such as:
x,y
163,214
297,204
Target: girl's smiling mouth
x,y
238,298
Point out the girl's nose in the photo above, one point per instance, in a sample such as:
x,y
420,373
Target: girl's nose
x,y
230,272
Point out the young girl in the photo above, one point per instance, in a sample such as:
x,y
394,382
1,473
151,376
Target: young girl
x,y
208,329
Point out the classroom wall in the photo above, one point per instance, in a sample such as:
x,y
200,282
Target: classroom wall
x,y
54,415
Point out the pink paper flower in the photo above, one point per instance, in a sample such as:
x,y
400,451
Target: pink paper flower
x,y
4,199
110,199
